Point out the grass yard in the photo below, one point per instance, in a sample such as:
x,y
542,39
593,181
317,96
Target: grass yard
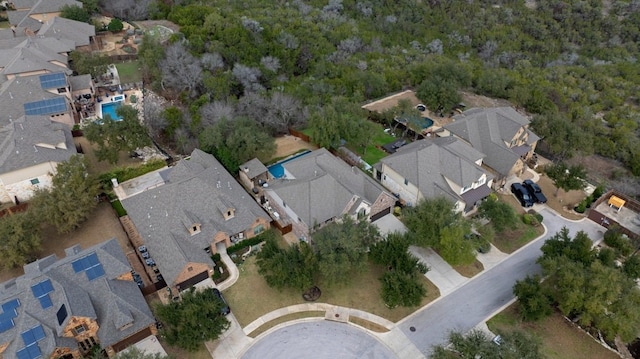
x,y
559,338
374,154
511,240
470,270
363,292
285,318
129,72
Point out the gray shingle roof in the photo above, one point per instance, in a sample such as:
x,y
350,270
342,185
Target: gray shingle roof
x,y
197,188
26,142
29,57
47,6
487,130
106,298
430,162
79,32
323,186
253,168
80,82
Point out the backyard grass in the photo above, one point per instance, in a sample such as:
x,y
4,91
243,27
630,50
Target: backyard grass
x,y
285,318
510,240
129,72
363,292
559,338
373,154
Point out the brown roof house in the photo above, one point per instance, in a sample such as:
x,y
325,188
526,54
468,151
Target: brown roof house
x,y
501,133
434,167
186,210
61,308
319,187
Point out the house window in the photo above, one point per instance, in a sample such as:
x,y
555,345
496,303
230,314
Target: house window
x,y
194,228
406,182
465,189
189,269
259,229
79,329
481,181
35,181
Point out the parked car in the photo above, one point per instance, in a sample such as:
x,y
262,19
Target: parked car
x,y
522,194
535,191
142,249
150,262
145,255
225,308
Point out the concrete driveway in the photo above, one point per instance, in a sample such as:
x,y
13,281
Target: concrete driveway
x,y
389,224
440,272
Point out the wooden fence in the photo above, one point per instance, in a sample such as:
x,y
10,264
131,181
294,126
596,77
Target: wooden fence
x,y
300,135
606,221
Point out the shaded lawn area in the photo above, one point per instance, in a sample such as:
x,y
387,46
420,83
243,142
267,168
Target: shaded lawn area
x,y
374,154
251,297
510,240
559,338
470,270
285,318
129,72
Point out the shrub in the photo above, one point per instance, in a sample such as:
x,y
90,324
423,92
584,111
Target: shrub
x,y
598,192
251,241
115,25
530,219
117,205
581,207
127,173
216,257
618,241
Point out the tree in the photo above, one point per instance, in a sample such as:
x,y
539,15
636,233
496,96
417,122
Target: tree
x,y
438,94
20,239
426,220
501,215
401,288
292,267
115,25
454,247
341,248
181,71
235,141
476,344
88,63
631,267
75,12
566,178
577,249
534,303
131,352
71,198
194,319
114,137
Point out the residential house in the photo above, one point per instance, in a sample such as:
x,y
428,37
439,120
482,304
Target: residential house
x,y
501,133
61,308
30,149
319,187
192,207
31,14
434,167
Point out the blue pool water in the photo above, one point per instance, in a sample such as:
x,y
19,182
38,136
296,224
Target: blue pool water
x,y
426,122
277,170
109,108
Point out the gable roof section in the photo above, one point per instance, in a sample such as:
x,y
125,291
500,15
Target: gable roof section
x,y
323,187
48,6
430,162
195,189
489,130
32,140
78,32
253,168
80,82
28,57
108,300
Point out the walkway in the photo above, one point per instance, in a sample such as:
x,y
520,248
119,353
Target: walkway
x,y
440,272
231,267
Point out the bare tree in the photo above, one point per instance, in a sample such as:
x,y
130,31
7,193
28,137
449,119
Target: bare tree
x,y
127,9
180,70
270,63
153,107
284,111
213,112
248,77
212,61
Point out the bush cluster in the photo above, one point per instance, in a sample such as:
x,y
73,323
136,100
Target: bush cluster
x,y
250,242
587,201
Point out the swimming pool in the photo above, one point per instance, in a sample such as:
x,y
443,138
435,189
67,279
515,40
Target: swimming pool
x,y
277,170
109,108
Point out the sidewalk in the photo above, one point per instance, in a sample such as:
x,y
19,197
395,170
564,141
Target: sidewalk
x,y
440,272
231,267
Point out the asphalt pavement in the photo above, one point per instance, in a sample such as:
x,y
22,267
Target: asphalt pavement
x,y
478,299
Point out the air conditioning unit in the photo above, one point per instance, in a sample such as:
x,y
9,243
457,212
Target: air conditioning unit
x,y
241,235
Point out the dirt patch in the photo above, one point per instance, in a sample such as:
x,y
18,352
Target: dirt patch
x,y
288,145
150,24
98,167
101,226
392,101
474,100
564,202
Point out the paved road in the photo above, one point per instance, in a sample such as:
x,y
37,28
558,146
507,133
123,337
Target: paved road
x,y
319,339
479,298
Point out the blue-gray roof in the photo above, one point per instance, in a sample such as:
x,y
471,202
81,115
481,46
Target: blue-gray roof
x,y
50,106
53,81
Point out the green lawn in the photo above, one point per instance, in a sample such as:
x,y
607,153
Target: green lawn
x,y
129,72
510,240
250,297
373,154
559,338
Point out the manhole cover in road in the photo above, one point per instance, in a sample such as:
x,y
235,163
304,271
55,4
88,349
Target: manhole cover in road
x,y
413,329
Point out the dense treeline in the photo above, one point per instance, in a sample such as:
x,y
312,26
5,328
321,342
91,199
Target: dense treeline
x,y
571,63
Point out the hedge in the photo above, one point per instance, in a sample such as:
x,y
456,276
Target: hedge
x,y
117,205
127,173
250,242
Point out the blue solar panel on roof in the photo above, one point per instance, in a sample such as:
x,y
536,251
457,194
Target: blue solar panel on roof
x,y
77,265
6,325
95,272
46,107
45,301
30,352
93,259
32,335
12,304
50,81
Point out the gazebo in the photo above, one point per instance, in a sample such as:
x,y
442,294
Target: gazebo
x,y
616,202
